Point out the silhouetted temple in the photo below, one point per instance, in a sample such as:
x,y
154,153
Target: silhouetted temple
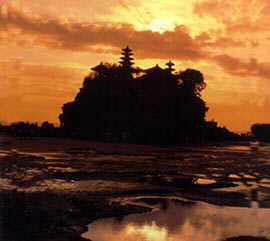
x,y
123,103
126,59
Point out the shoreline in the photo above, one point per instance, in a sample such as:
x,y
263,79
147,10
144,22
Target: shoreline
x,y
55,197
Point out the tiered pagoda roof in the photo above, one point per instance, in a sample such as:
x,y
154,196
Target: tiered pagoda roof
x,y
126,58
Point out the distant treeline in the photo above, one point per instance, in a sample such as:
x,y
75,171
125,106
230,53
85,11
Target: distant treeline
x,y
27,129
211,132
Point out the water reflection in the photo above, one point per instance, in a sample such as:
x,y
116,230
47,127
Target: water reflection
x,y
186,222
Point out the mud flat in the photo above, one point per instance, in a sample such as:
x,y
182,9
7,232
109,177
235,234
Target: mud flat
x,y
53,189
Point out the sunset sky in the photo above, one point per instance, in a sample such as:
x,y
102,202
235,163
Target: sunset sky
x,y
48,46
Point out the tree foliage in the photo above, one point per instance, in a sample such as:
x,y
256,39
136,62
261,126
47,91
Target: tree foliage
x,y
192,81
261,131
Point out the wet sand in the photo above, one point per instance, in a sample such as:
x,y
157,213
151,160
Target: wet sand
x,y
51,189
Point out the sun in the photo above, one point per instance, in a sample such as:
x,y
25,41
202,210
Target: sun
x,y
161,25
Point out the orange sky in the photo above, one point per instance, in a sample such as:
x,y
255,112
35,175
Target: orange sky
x,y
48,46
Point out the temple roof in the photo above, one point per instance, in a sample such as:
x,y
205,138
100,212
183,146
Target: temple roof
x,y
170,65
155,69
99,67
126,58
127,49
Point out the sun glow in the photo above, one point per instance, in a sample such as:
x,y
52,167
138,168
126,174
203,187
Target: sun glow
x,y
161,25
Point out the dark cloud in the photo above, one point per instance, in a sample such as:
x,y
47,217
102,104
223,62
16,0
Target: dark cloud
x,y
108,38
177,44
206,40
82,37
238,67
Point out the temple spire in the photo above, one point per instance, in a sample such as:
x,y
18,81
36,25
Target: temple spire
x,y
170,65
126,58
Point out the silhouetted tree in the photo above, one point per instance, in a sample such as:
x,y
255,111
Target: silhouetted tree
x,y
47,129
261,131
47,125
192,81
214,133
23,129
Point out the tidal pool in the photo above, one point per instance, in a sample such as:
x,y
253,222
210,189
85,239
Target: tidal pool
x,y
177,220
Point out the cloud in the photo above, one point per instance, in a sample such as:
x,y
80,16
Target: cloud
x,y
177,44
210,7
108,38
82,37
247,26
237,16
206,40
238,67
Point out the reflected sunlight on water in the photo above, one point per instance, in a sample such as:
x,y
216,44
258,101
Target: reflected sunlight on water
x,y
148,231
199,221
